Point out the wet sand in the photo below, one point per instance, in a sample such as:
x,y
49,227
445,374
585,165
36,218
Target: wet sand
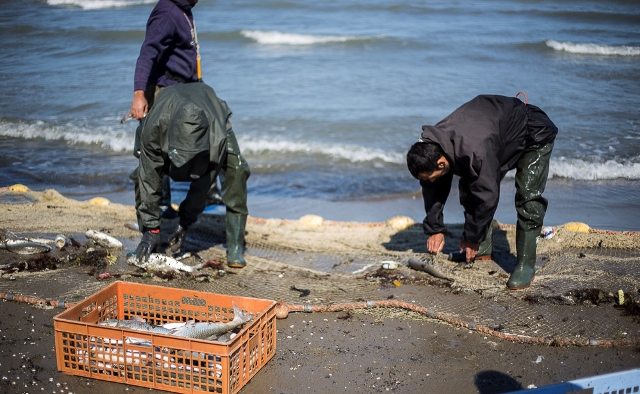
x,y
335,353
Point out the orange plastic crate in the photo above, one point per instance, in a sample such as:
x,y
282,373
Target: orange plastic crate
x,y
180,365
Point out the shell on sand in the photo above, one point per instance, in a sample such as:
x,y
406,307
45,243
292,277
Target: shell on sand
x,y
578,227
99,201
400,222
18,188
312,221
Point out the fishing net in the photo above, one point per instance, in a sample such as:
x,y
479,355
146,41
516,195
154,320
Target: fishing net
x,y
585,292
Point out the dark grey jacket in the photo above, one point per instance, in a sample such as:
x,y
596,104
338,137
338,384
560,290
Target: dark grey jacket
x,y
481,140
185,120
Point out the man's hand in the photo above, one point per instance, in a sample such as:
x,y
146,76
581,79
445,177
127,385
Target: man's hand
x,y
150,240
139,105
470,249
435,243
176,239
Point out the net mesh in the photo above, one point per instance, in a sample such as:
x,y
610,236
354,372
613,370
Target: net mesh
x,y
574,298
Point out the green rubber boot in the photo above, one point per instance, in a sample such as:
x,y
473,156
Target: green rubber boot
x,y
236,224
484,251
526,243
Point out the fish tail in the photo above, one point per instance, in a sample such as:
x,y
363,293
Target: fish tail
x,y
240,315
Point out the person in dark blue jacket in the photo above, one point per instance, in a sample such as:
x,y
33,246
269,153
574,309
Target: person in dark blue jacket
x,y
480,142
169,55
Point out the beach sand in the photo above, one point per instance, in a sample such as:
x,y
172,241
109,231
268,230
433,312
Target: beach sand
x,y
364,351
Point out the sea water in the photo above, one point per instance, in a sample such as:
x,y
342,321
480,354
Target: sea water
x,y
328,96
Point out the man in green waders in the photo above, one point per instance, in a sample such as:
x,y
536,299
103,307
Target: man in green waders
x,y
480,142
187,135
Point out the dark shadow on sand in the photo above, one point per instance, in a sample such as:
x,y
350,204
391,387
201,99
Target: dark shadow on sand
x,y
494,382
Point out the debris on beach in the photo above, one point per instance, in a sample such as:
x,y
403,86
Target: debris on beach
x,y
15,244
68,251
303,292
161,262
103,239
60,241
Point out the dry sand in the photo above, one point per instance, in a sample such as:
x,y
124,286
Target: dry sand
x,y
377,351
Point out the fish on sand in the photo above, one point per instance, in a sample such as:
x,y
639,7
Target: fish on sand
x,y
161,262
15,244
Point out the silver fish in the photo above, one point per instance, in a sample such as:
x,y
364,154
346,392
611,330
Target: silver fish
x,y
427,267
160,262
135,324
103,239
204,330
20,246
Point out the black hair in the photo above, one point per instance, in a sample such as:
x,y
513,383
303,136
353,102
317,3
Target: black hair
x,y
423,157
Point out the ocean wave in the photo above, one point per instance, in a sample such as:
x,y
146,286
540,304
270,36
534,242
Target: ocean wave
x,y
279,38
106,137
352,153
589,171
593,49
99,4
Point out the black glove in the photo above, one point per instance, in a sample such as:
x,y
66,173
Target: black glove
x,y
175,240
148,243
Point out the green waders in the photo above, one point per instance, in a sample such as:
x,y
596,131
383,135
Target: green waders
x,y
234,196
532,171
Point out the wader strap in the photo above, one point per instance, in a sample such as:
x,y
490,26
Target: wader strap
x,y
194,42
525,97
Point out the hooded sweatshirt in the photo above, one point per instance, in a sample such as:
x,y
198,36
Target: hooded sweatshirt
x,y
169,46
481,140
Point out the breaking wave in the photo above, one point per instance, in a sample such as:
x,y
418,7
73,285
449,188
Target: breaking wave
x,y
120,139
588,171
99,4
593,49
351,153
278,38
106,137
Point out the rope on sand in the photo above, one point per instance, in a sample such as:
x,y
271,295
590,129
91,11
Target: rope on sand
x,y
35,301
283,309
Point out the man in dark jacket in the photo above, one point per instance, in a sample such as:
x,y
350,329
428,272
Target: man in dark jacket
x,y
187,135
480,142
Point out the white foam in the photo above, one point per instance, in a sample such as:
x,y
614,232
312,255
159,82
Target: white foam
x,y
593,49
99,4
107,137
583,170
278,38
352,153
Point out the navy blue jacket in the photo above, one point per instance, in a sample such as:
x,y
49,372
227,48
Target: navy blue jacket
x,y
168,46
482,139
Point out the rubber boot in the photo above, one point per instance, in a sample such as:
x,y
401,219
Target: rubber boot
x,y
526,243
484,251
236,224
